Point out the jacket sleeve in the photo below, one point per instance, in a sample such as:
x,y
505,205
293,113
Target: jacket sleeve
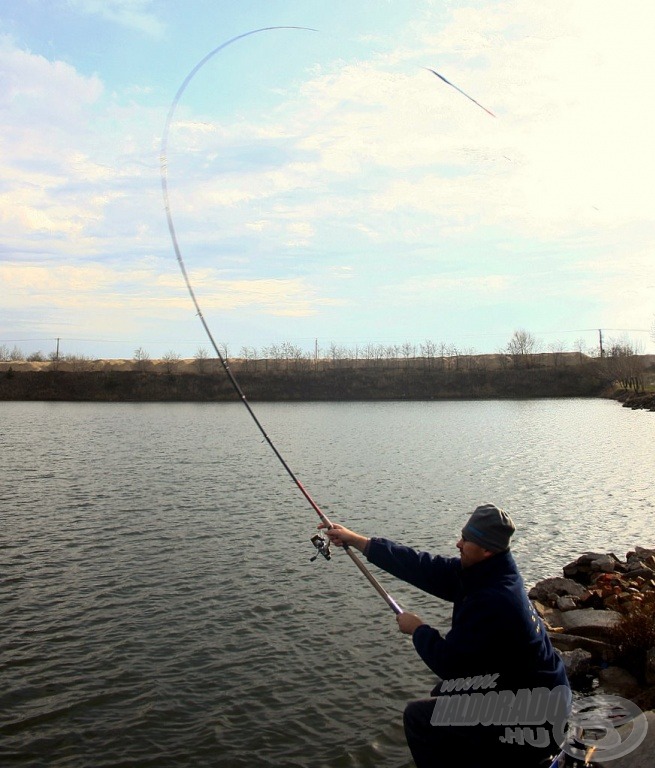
x,y
475,645
439,576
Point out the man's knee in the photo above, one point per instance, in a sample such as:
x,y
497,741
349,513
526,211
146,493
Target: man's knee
x,y
417,714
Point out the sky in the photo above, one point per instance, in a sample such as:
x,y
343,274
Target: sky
x,y
325,188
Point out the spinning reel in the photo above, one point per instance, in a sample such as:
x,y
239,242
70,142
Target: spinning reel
x,y
322,547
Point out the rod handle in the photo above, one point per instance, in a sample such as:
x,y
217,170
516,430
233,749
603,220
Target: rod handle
x,y
376,584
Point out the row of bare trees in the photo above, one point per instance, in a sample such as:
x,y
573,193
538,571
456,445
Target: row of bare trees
x,y
621,361
622,364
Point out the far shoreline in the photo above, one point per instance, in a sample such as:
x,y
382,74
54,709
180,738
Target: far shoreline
x,y
482,377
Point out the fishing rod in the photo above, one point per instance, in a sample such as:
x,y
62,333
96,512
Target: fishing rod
x,y
322,547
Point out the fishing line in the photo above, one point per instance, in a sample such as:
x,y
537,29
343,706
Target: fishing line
x,y
163,164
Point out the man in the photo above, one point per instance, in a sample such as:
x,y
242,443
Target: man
x,y
503,694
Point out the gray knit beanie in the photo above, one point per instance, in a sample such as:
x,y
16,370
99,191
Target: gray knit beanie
x,y
489,527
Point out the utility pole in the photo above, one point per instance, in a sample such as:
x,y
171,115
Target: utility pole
x,y
57,351
600,341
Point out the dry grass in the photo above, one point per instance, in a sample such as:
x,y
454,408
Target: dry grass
x,y
634,635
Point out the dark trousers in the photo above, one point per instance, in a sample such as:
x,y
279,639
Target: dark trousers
x,y
474,746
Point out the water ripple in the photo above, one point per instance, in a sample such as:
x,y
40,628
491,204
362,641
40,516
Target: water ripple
x,y
159,604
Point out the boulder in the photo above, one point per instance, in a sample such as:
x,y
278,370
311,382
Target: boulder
x,y
643,553
618,682
605,564
566,603
577,663
597,625
548,590
590,563
601,652
638,570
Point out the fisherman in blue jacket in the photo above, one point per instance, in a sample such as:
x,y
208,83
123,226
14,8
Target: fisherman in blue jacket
x,y
503,695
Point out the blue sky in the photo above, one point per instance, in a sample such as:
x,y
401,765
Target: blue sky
x,y
324,186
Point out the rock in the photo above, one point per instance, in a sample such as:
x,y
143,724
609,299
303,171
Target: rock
x,y
639,571
566,603
541,608
583,560
548,590
643,756
604,564
581,612
643,553
590,563
592,599
601,652
619,682
577,663
592,623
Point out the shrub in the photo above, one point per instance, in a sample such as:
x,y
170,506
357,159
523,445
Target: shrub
x,y
634,635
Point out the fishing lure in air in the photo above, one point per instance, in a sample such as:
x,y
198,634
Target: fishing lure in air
x,y
322,547
452,85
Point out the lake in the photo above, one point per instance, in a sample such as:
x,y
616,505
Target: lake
x,y
158,602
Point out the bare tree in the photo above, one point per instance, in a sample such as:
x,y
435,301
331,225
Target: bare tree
x,y
521,348
429,352
557,349
141,358
391,352
201,357
78,362
408,351
580,347
291,353
469,359
171,360
369,352
623,363
454,354
248,355
443,355
337,352
272,352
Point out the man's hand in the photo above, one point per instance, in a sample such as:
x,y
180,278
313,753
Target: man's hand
x,y
408,622
339,536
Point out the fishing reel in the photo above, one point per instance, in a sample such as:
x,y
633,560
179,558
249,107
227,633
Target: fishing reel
x,y
322,547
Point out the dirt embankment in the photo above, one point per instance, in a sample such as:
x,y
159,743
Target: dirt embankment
x,y
287,381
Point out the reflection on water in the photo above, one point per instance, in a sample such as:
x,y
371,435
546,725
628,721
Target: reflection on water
x,y
157,597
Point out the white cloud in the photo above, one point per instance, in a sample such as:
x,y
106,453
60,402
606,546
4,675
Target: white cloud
x,y
274,297
363,158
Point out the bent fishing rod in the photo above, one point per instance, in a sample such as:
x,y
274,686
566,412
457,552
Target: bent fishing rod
x,y
321,545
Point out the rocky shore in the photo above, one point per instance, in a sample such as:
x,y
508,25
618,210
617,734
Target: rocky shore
x,y
600,616
635,400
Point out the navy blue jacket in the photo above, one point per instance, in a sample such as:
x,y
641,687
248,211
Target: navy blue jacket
x,y
495,629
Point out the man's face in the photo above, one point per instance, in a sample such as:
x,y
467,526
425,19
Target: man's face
x,y
471,553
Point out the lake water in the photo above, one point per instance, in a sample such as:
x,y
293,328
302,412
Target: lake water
x,y
157,600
